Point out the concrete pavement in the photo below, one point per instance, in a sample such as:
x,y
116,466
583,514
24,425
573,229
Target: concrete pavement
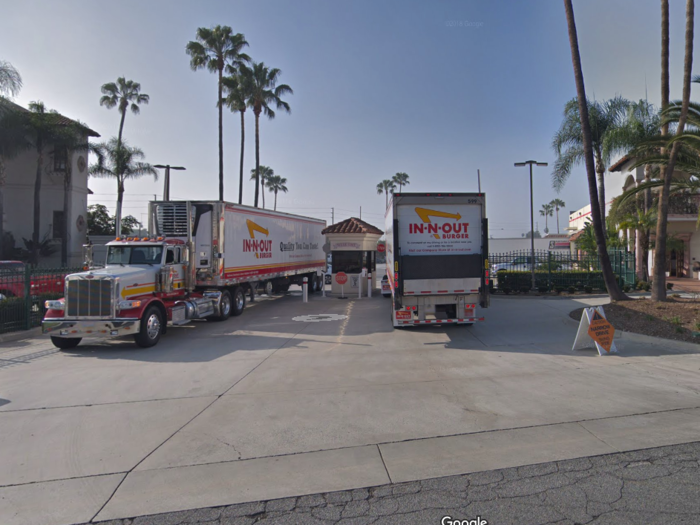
x,y
263,407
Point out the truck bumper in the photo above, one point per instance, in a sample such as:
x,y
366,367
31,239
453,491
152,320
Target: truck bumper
x,y
90,328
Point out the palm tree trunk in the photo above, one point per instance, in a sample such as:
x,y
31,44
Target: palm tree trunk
x,y
557,212
665,90
221,137
120,198
67,183
600,170
121,126
2,210
257,156
240,179
37,201
262,190
275,200
658,289
386,198
608,275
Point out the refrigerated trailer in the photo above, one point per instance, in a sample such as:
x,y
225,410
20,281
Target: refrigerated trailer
x,y
437,258
200,260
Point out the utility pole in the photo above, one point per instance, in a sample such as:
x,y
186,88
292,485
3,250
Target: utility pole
x,y
332,215
532,218
360,212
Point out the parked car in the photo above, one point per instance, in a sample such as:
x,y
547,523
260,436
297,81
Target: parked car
x,y
521,263
328,277
12,281
386,287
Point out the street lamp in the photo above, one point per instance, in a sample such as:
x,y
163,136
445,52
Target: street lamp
x,y
166,187
532,217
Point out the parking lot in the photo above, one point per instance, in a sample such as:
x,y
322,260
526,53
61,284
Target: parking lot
x,y
293,398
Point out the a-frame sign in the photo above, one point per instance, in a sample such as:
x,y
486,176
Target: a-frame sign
x,y
595,330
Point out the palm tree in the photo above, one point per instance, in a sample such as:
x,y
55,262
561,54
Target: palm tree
x,y
119,161
124,94
546,211
238,91
401,179
265,173
641,221
557,204
604,119
587,154
214,49
385,187
276,183
10,80
665,86
264,93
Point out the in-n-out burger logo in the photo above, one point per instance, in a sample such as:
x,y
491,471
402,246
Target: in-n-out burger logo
x,y
262,248
446,230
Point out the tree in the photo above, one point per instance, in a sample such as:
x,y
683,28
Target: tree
x,y
587,150
99,222
124,94
385,187
264,93
119,161
546,211
557,204
214,49
535,235
265,173
605,118
642,222
275,183
10,80
401,179
238,91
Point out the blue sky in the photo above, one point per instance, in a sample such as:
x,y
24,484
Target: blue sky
x,y
435,89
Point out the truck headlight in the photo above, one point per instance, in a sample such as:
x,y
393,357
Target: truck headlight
x,y
128,305
55,304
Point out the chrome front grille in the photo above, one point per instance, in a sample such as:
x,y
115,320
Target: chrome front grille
x,y
89,298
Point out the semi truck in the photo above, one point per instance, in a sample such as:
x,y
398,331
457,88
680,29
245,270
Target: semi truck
x,y
437,258
201,260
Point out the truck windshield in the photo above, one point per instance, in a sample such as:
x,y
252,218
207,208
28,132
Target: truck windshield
x,y
135,255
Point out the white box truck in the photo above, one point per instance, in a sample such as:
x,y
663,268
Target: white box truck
x,y
437,258
200,260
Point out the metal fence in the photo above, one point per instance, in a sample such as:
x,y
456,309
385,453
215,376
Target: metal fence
x,y
23,290
558,270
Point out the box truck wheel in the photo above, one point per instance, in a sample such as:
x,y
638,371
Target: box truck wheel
x,y
313,283
225,307
151,328
238,301
269,289
65,343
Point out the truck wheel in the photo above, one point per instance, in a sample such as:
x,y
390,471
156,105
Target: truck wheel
x,y
313,283
65,343
269,288
151,328
238,301
226,307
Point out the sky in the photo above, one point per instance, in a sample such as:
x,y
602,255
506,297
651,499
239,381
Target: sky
x,y
435,89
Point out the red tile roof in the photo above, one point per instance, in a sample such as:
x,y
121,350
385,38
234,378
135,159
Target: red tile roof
x,y
58,118
353,225
618,165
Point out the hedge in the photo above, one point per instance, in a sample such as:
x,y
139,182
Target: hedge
x,y
516,280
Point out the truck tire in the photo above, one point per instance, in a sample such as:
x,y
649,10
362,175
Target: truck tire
x,y
65,343
269,288
238,303
313,283
226,307
151,328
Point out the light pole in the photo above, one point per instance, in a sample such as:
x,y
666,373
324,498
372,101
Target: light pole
x,y
532,218
166,187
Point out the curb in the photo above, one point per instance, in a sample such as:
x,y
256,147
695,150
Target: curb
x,y
670,344
16,336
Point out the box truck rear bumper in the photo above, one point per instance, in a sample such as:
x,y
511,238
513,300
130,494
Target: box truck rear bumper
x,y
466,320
90,328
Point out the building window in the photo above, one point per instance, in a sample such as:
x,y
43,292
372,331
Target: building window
x,y
58,222
60,159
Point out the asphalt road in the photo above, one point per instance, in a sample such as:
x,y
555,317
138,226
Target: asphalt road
x,y
284,401
653,486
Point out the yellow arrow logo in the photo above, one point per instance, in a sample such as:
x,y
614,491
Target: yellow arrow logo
x,y
425,215
252,228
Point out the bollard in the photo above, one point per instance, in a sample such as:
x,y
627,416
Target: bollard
x,y
369,285
305,289
359,286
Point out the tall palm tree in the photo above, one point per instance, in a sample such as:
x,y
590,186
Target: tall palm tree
x,y
238,90
265,173
401,179
117,160
665,86
10,80
264,93
546,212
214,49
124,94
604,119
557,204
385,187
587,152
276,183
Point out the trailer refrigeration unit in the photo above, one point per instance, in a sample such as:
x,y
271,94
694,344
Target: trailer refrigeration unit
x,y
200,261
437,258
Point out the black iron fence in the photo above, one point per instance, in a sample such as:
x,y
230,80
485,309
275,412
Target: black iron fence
x,y
558,271
23,291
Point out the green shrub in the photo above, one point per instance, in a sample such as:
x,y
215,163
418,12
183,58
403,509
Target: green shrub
x,y
588,289
542,289
524,289
517,279
505,289
626,288
559,289
676,319
571,289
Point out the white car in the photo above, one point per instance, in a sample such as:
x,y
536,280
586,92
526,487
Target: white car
x,y
386,287
520,263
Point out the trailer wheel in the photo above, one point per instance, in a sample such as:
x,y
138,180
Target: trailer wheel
x,y
313,283
65,343
238,301
226,307
151,328
269,288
